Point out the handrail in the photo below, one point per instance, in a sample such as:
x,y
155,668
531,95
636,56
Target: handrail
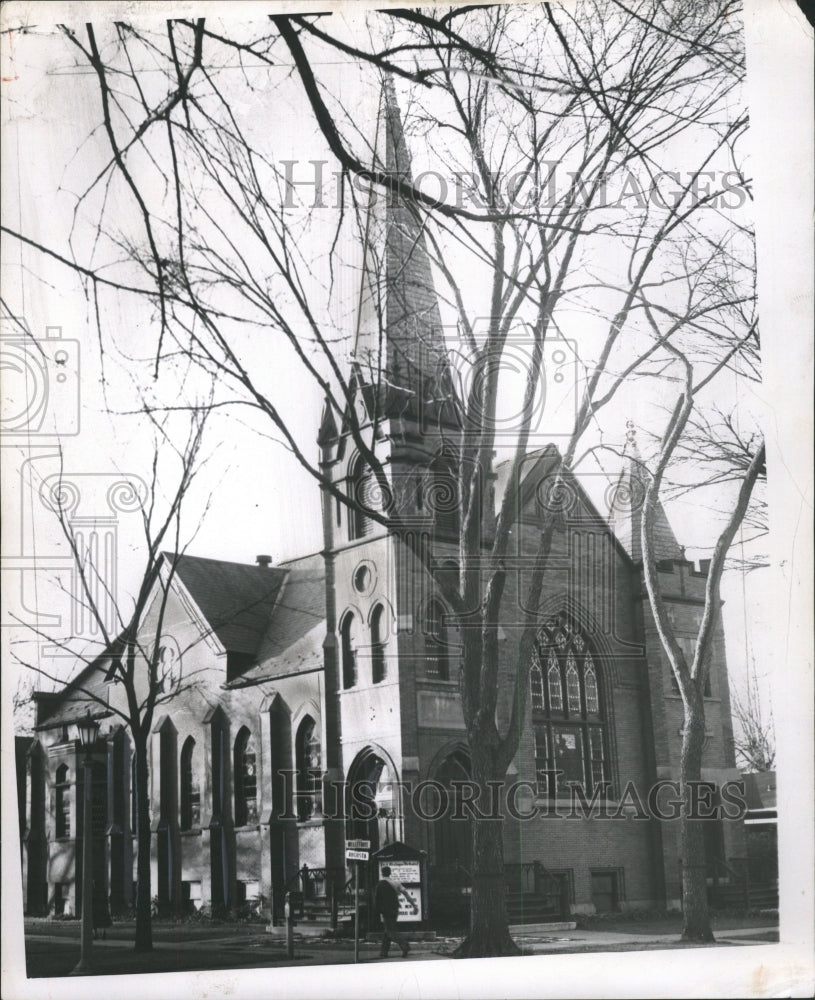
x,y
555,883
537,868
312,874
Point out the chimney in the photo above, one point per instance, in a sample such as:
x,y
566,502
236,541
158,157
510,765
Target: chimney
x,y
263,561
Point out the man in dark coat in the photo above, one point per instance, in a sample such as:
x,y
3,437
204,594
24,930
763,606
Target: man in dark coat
x,y
386,901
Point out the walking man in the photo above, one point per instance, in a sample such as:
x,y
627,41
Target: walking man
x,y
386,900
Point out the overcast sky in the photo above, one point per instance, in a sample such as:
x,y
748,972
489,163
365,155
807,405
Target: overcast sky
x,y
260,500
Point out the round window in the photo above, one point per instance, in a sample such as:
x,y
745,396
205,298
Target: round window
x,y
362,579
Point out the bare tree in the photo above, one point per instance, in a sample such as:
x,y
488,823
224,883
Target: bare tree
x,y
131,658
755,727
691,673
556,124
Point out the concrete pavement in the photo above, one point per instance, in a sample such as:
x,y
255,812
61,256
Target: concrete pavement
x,y
54,950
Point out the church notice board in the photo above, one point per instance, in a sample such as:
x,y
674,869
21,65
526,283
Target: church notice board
x,y
408,866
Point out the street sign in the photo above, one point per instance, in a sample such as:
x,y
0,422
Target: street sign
x,y
358,845
351,855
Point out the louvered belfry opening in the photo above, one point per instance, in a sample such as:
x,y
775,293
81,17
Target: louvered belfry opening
x,y
364,492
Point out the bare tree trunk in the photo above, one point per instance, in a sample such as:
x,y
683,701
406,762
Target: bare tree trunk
x,y
696,916
144,928
489,931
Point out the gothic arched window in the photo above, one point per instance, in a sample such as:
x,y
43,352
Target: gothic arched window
x,y
246,782
536,683
378,630
348,654
309,768
555,684
437,649
190,790
453,830
63,803
570,732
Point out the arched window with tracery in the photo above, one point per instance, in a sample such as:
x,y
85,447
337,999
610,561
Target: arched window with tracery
x,y
63,803
536,683
437,648
190,789
348,653
309,769
378,638
568,715
245,772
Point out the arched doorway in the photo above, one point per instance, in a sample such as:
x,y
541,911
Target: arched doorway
x,y
453,838
373,807
452,841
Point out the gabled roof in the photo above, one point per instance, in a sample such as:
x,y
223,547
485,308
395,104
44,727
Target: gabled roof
x,y
236,599
536,467
262,613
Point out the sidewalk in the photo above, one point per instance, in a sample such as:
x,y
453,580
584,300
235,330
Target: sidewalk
x,y
615,940
52,948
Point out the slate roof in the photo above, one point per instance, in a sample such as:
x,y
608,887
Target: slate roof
x,y
236,599
626,512
300,607
269,614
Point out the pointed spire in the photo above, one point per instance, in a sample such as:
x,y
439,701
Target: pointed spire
x,y
627,499
412,349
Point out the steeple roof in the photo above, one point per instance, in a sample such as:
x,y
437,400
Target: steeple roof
x,y
405,343
626,510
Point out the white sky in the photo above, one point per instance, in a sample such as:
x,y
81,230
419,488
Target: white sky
x,y
261,500
260,506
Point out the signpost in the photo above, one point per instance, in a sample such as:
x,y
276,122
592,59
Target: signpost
x,y
358,851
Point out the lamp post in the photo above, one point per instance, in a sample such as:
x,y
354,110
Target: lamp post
x,y
88,730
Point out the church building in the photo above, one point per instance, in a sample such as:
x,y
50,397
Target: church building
x,y
313,695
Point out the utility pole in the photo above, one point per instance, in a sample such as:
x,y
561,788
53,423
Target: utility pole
x,y
356,912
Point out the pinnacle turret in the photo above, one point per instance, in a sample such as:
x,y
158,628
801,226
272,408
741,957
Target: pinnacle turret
x,y
626,506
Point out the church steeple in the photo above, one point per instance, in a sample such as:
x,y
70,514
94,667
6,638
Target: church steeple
x,y
399,343
626,509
